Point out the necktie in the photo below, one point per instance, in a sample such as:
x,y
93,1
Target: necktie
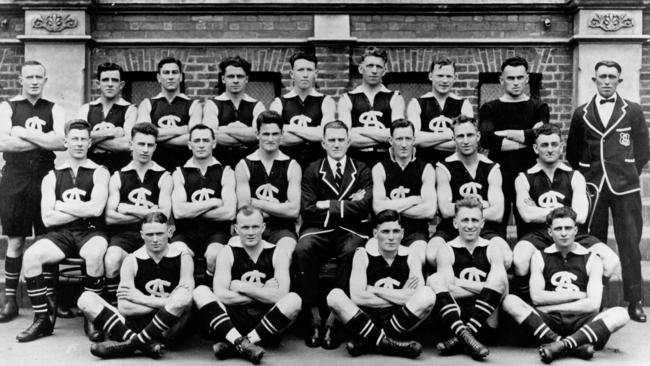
x,y
610,100
338,177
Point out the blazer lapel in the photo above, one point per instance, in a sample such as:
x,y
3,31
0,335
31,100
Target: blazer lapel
x,y
591,117
349,177
620,110
327,176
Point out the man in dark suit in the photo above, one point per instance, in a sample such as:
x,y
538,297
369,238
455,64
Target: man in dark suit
x,y
336,204
608,144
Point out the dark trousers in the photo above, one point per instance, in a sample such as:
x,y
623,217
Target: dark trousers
x,y
509,205
313,249
628,228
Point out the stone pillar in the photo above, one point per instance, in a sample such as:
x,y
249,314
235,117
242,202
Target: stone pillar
x,y
56,34
607,31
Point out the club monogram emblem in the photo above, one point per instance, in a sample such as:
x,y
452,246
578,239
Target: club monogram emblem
x,y
563,281
469,189
438,125
73,194
550,199
300,121
157,287
266,192
139,196
168,121
202,194
399,192
624,138
253,276
472,274
370,119
35,123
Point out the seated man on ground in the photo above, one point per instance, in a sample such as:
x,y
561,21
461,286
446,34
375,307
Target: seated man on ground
x,y
251,302
566,291
73,198
550,184
470,283
387,293
154,295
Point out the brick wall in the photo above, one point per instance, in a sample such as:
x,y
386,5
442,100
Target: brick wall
x,y
202,26
459,26
11,58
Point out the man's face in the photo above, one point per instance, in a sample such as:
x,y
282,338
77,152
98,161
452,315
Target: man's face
x,y
372,70
170,77
402,142
142,147
469,222
110,84
548,148
201,144
442,78
250,228
77,142
389,236
269,137
563,231
32,78
155,236
514,80
607,80
336,142
235,79
303,74
466,137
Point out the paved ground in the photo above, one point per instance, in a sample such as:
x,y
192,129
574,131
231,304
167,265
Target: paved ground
x,y
69,347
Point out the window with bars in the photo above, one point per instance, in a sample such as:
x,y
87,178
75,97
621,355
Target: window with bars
x,y
409,84
489,87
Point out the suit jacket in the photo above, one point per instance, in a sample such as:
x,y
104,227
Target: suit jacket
x,y
612,155
318,184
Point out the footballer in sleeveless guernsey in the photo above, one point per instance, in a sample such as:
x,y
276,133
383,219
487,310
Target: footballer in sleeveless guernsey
x,y
173,112
433,113
251,302
566,288
203,200
387,293
303,116
112,118
469,283
406,184
462,184
74,196
110,128
370,108
32,128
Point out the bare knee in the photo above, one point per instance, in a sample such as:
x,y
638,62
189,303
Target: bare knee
x,y
180,300
424,300
521,256
336,298
437,283
432,249
90,303
203,295
614,318
113,261
93,254
290,305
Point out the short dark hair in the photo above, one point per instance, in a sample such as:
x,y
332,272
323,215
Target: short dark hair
x,y
335,125
109,66
440,62
302,55
387,215
375,52
247,210
235,61
560,213
77,124
170,60
155,217
468,202
145,128
514,62
461,119
608,63
269,118
201,127
401,123
547,129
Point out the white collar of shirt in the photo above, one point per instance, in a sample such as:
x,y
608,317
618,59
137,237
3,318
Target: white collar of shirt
x,y
605,110
312,93
333,162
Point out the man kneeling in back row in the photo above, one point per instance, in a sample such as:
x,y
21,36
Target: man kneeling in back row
x,y
155,291
566,290
251,302
387,293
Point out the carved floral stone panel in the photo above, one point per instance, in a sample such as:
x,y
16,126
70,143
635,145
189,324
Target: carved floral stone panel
x,y
611,22
55,22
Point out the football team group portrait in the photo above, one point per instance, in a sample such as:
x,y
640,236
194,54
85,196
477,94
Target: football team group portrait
x,y
367,222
